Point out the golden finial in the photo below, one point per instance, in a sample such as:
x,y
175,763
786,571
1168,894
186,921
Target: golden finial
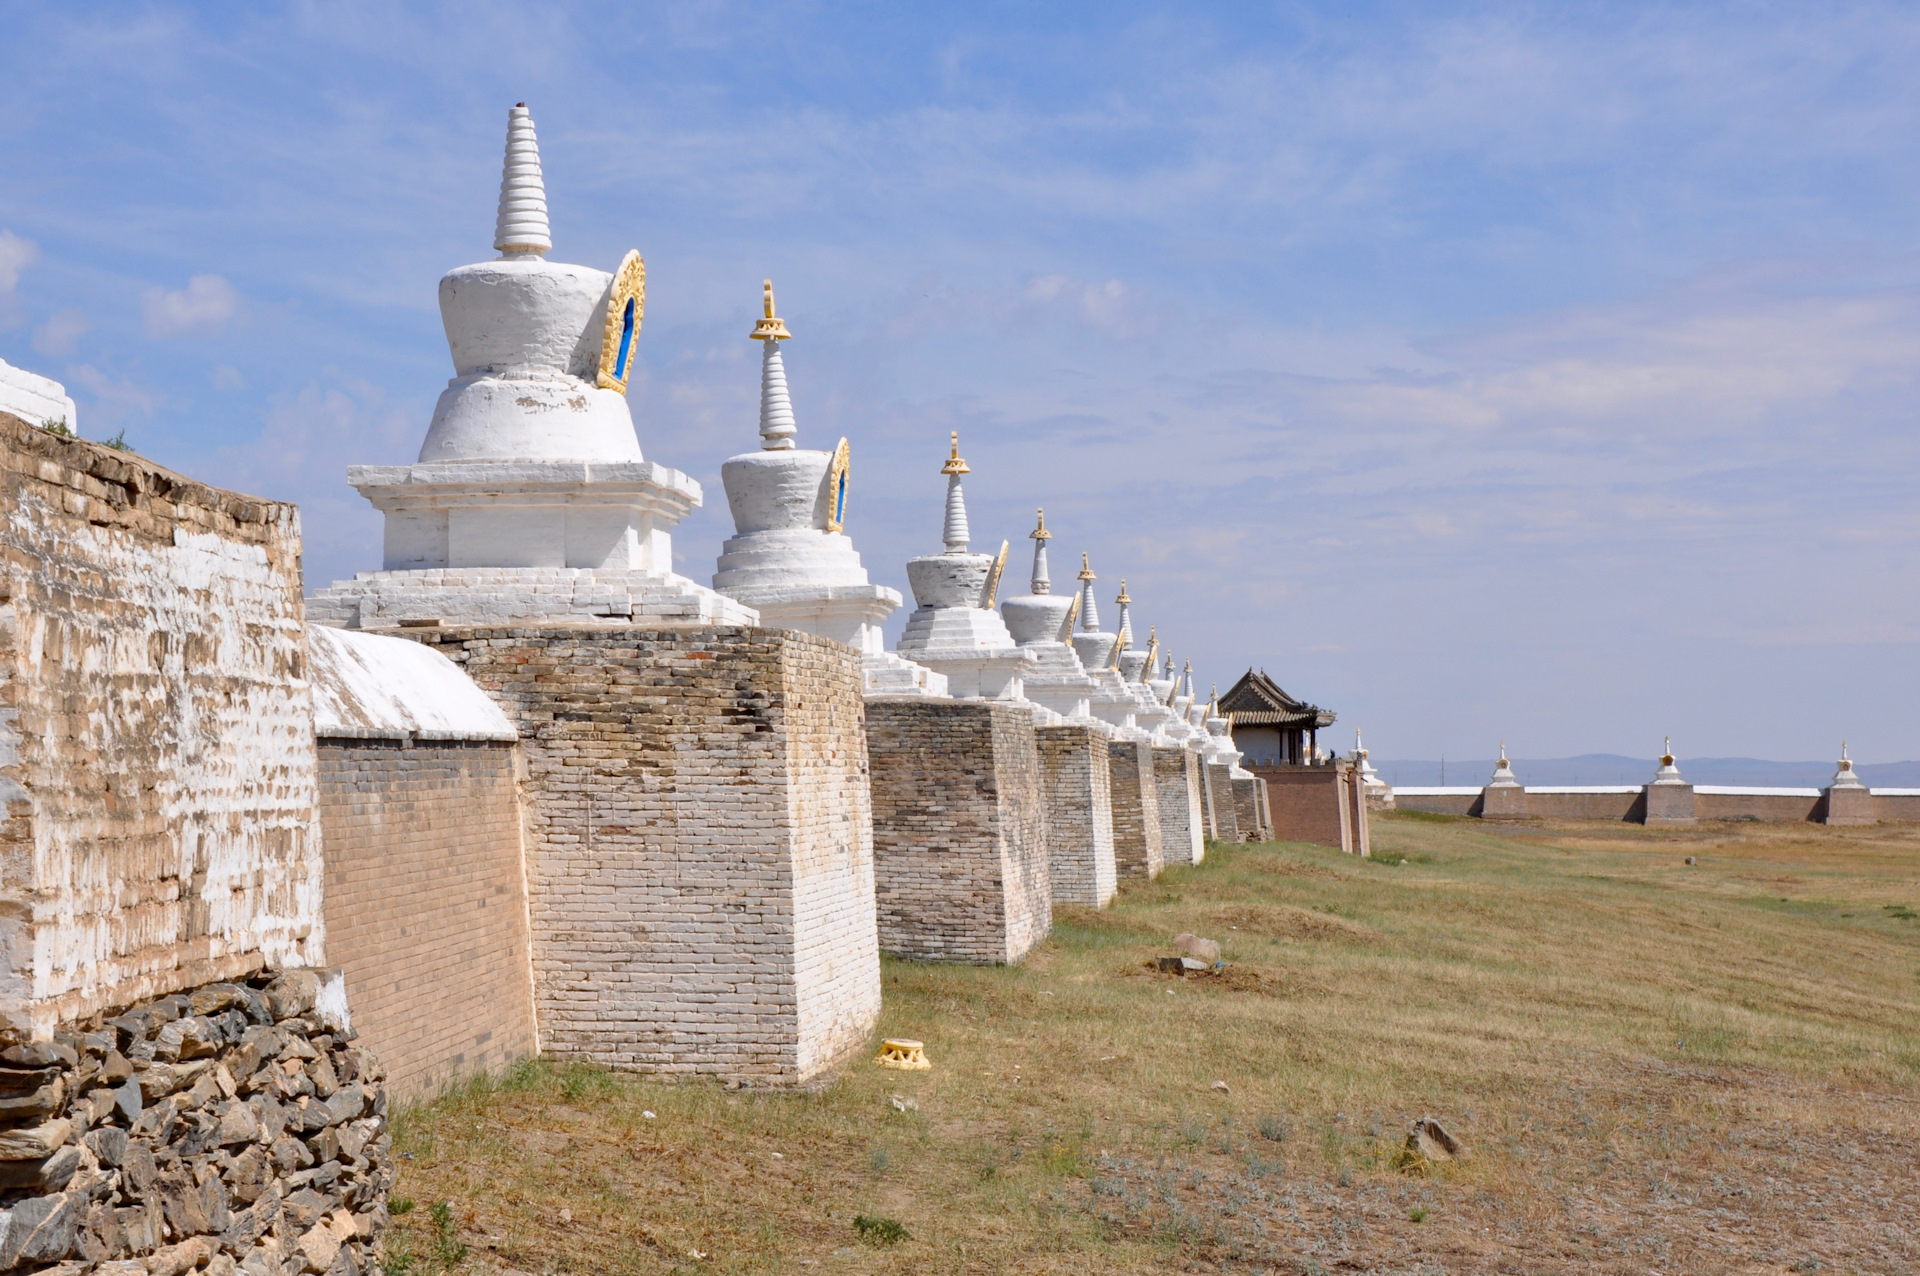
x,y
954,464
770,328
1086,572
1123,599
1040,533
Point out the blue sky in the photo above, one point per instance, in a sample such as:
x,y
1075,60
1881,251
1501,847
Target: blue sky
x,y
1539,372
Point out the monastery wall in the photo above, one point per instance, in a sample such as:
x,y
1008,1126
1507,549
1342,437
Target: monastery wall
x,y
156,750
1177,792
960,839
1218,778
1246,808
426,900
1706,802
1309,804
426,905
1076,784
699,842
1138,850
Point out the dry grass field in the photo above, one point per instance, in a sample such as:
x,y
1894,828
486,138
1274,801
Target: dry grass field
x,y
1654,1068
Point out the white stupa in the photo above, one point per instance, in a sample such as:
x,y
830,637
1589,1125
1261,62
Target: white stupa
x,y
1844,776
790,558
954,628
1669,772
530,497
1041,623
1375,788
1151,713
1219,743
1112,700
1503,776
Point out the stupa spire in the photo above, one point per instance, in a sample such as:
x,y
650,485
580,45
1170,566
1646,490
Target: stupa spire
x,y
776,407
520,229
1125,604
1089,609
955,533
1041,582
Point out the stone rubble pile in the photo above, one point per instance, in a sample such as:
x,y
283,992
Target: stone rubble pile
x,y
233,1129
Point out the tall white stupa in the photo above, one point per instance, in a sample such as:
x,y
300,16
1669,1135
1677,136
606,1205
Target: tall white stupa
x,y
1041,622
954,628
1112,700
790,558
530,498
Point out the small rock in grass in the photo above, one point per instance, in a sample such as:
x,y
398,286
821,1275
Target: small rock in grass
x,y
1221,1086
1203,950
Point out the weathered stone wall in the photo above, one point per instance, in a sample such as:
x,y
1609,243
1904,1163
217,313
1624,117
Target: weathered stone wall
x,y
1137,847
960,844
1182,818
699,842
232,1129
426,905
156,752
1218,778
1076,785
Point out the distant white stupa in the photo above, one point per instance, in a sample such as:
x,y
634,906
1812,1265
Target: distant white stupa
x,y
954,628
790,558
530,498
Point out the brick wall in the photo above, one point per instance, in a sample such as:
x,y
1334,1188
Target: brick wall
x,y
426,905
1077,788
1137,847
1182,818
960,847
156,752
1307,804
699,842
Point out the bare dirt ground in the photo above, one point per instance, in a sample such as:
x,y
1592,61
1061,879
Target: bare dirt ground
x,y
1654,1067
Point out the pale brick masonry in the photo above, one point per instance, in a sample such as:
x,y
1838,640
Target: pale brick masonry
x,y
426,905
1138,849
1182,817
1077,786
699,842
1218,778
960,847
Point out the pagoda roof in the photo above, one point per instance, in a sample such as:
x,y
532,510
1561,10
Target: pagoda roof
x,y
1258,701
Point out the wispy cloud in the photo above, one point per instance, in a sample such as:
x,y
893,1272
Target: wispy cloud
x,y
60,334
201,308
16,254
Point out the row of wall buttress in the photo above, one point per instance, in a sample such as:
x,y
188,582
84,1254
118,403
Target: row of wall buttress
x,y
699,842
426,905
1138,850
960,842
1219,781
1077,787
